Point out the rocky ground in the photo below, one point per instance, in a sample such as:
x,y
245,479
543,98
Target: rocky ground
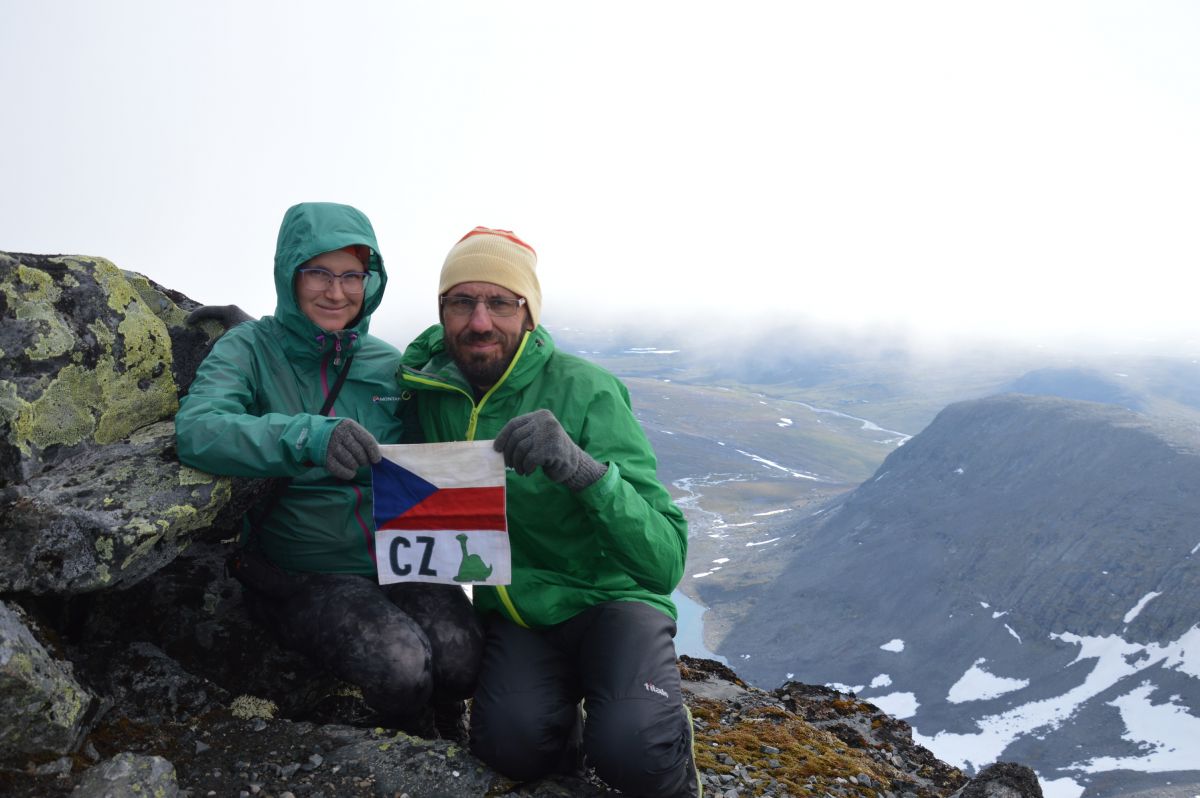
x,y
172,733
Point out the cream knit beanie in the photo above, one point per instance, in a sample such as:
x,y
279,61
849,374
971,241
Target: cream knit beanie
x,y
485,255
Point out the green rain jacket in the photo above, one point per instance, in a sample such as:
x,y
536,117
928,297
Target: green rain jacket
x,y
251,410
620,539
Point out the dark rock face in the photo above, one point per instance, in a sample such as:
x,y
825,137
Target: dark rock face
x,y
128,664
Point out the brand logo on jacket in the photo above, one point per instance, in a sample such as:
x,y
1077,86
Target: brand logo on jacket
x,y
651,687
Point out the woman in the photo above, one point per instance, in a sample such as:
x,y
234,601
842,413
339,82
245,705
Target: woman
x,y
257,409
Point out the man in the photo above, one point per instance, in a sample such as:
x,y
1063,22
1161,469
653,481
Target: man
x,y
260,407
597,544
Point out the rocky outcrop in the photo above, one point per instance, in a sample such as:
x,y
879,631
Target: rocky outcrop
x,y
91,493
45,710
128,664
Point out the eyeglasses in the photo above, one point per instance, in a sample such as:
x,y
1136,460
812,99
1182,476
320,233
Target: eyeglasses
x,y
496,305
320,280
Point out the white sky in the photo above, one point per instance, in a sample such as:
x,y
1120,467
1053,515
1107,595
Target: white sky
x,y
1016,168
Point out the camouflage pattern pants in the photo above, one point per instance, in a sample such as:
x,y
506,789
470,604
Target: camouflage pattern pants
x,y
403,645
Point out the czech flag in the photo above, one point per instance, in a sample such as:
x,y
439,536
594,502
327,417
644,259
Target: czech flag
x,y
439,514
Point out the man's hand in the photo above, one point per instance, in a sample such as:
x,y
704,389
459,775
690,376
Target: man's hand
x,y
229,316
350,448
537,439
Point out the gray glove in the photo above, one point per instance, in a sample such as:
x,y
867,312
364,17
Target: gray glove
x,y
350,448
229,316
537,439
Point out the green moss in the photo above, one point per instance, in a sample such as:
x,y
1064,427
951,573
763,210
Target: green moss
x,y
804,751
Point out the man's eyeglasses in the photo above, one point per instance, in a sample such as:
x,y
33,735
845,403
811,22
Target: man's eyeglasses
x,y
320,280
496,305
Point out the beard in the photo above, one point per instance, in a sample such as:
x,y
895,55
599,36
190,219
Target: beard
x,y
482,370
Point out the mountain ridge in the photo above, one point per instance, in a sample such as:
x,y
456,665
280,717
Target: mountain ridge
x,y
1016,539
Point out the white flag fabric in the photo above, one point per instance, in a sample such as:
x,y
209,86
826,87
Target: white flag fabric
x,y
440,514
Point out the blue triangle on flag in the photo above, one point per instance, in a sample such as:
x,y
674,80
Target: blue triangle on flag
x,y
396,490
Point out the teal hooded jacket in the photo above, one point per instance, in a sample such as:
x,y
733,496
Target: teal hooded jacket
x,y
252,409
620,539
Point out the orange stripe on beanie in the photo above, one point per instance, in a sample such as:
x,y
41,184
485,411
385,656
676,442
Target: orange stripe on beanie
x,y
486,255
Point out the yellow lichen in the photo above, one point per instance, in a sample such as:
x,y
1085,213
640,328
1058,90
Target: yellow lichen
x,y
194,476
31,298
248,706
61,415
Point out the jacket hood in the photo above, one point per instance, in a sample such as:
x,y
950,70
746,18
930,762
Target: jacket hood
x,y
307,230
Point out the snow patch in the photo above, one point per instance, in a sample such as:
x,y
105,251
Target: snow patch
x,y
1167,733
979,685
1061,788
896,645
900,705
777,466
882,680
1141,605
1115,659
762,542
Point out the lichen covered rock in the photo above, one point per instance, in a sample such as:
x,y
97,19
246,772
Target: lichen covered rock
x,y
45,711
110,516
84,358
129,774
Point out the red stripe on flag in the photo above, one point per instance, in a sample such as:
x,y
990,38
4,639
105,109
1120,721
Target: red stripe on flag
x,y
456,508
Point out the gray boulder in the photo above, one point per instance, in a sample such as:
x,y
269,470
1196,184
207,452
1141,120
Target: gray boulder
x,y
91,493
45,711
1002,780
129,774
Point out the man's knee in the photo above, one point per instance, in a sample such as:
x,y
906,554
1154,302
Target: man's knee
x,y
520,738
637,749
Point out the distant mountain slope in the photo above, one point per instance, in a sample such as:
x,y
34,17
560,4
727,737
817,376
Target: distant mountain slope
x,y
1084,385
1023,575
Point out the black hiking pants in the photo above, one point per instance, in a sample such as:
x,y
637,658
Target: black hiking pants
x,y
619,659
403,645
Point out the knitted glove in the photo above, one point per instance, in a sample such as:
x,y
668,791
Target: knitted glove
x,y
537,439
230,316
350,448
